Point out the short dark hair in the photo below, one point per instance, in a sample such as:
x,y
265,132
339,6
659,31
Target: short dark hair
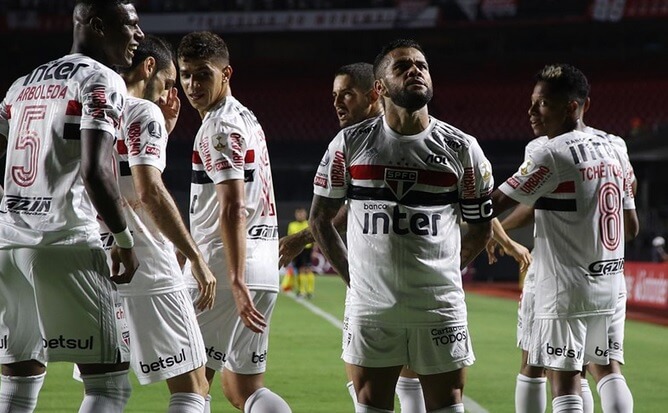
x,y
361,73
203,45
101,8
155,47
566,79
379,62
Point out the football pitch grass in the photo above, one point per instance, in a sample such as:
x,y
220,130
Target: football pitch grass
x,y
305,366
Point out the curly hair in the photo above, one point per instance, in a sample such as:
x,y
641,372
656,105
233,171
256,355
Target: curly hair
x,y
566,79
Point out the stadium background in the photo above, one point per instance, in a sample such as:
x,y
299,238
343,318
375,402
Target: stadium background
x,y
482,53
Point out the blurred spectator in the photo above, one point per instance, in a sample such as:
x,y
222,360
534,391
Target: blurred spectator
x,y
658,252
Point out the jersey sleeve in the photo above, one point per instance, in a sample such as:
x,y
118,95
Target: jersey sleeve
x,y
537,176
103,101
4,118
475,186
332,177
222,147
145,136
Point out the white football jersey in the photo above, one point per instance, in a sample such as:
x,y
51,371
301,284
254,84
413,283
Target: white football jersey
x,y
230,145
406,196
144,142
578,185
42,115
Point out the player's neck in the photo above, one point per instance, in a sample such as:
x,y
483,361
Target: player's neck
x,y
404,122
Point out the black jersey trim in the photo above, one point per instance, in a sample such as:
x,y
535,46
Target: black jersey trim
x,y
412,198
551,204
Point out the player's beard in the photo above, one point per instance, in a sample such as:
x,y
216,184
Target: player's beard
x,y
412,100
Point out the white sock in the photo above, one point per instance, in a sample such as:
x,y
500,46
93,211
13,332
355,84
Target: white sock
x,y
615,394
455,408
530,394
19,394
265,401
207,404
587,397
351,390
410,395
570,403
186,403
108,392
363,408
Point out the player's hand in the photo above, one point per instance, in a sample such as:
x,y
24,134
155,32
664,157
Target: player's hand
x,y
127,258
170,107
288,248
520,253
206,284
492,249
250,316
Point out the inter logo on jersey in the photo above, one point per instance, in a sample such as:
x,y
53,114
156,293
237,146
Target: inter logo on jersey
x,y
400,181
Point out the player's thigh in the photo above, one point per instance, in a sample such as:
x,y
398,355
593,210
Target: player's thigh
x,y
248,351
439,349
166,340
443,389
20,337
81,314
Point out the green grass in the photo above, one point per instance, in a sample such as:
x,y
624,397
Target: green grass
x,y
306,369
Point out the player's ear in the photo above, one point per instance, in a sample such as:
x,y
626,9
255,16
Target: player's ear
x,y
227,73
586,105
96,25
379,87
148,67
572,107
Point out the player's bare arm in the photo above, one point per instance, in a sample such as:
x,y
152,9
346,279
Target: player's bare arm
x,y
323,211
231,197
631,224
161,207
516,250
474,241
291,245
98,177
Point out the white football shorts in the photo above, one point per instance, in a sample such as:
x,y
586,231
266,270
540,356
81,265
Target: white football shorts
x,y
166,340
569,343
58,304
425,350
229,343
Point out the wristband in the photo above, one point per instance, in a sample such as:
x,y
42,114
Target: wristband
x,y
124,238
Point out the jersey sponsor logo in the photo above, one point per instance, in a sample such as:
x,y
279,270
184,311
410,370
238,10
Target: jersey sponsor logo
x,y
163,363
535,180
401,224
42,92
68,343
259,358
134,134
448,335
3,343
338,169
28,205
152,150
107,239
590,150
468,183
98,101
437,159
606,267
563,352
57,70
400,181
601,353
514,183
235,144
221,165
374,207
266,232
212,353
320,180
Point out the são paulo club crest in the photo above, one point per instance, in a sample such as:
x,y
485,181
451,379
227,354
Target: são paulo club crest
x,y
400,181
